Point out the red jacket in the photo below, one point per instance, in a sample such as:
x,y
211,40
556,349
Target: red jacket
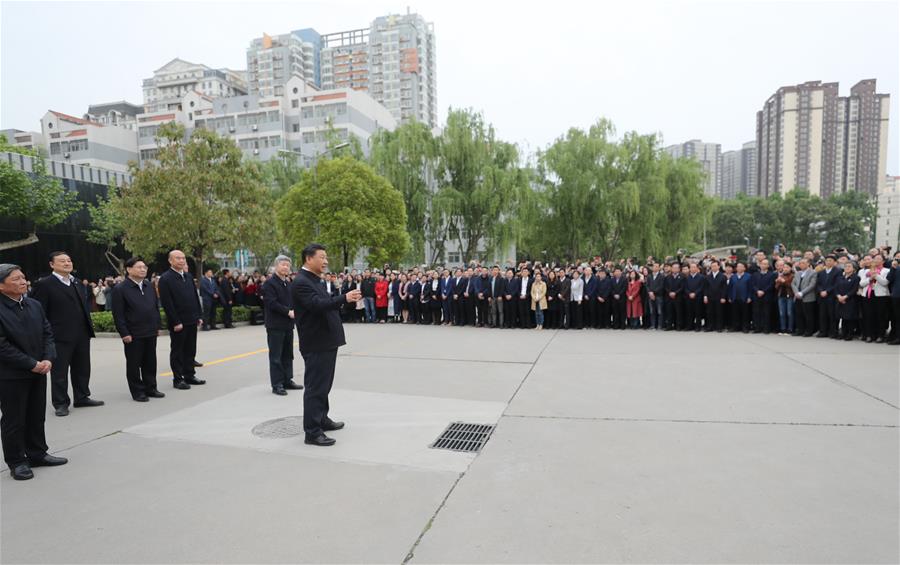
x,y
381,294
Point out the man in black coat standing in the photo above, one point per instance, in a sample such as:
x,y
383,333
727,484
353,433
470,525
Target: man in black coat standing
x,y
26,356
714,300
135,310
320,332
180,300
227,293
280,328
65,303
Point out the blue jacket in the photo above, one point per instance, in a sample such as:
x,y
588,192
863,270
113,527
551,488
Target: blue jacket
x,y
696,284
739,289
590,288
208,288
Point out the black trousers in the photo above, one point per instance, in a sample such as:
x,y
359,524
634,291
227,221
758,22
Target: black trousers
x,y
827,319
603,314
895,318
576,313
509,313
23,404
805,314
436,309
674,312
694,313
140,365
762,314
714,315
565,314
209,313
182,352
469,309
318,378
740,316
873,312
458,312
618,313
524,307
483,309
226,315
281,356
74,355
589,310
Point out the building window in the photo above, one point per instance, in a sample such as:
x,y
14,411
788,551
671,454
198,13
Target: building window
x,y
295,103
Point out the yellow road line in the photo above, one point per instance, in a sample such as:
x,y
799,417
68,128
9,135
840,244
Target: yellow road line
x,y
225,359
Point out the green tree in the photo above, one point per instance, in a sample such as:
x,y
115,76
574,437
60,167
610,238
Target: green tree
x,y
199,196
37,199
478,177
349,207
107,228
406,157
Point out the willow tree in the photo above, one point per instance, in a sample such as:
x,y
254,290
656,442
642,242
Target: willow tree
x,y
199,196
478,176
406,157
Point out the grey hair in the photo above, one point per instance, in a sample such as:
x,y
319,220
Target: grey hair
x,y
281,258
7,269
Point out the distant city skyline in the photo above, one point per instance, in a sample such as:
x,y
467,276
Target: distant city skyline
x,y
533,72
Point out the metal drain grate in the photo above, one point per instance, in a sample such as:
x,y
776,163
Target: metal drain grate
x,y
463,437
290,426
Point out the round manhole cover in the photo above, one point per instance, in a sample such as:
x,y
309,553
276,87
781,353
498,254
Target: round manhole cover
x,y
278,428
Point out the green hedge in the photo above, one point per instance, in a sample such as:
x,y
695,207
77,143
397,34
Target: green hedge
x,y
103,321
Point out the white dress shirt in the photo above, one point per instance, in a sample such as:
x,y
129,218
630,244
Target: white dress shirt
x,y
65,280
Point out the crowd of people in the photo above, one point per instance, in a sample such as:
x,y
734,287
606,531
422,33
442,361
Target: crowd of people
x,y
836,295
46,328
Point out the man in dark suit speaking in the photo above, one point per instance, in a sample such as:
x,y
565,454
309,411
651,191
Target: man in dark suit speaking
x,y
319,328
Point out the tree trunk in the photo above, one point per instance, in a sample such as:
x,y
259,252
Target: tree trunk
x,y
32,238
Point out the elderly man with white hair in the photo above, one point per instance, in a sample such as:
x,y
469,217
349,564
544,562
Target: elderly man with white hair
x,y
279,311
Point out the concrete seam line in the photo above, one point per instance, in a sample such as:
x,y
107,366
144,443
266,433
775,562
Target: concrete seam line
x,y
824,374
412,550
681,421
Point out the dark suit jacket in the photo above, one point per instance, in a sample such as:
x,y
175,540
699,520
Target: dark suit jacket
x,y
565,289
656,283
590,287
135,313
696,284
317,314
179,298
209,287
604,288
826,281
674,284
25,338
66,307
619,287
764,282
497,287
716,286
277,303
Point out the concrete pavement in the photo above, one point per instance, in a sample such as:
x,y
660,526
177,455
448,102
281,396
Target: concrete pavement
x,y
609,447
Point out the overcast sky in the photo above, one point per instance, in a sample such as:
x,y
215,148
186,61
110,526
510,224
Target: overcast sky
x,y
683,69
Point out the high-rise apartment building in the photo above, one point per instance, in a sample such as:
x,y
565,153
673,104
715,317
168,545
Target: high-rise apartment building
x,y
273,60
709,155
739,171
810,137
176,78
393,60
887,226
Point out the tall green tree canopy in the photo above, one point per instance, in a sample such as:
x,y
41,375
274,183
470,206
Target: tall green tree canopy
x,y
200,196
346,206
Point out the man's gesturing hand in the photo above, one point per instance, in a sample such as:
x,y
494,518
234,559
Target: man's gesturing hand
x,y
354,296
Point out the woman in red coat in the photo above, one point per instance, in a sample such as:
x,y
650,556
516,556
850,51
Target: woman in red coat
x,y
381,298
634,308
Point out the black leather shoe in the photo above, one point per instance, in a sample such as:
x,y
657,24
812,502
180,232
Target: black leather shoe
x,y
229,327
196,364
332,426
181,385
279,391
291,385
321,440
48,461
88,402
62,410
195,381
155,394
21,472
141,398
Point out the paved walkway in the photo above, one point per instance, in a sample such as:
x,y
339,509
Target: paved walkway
x,y
608,447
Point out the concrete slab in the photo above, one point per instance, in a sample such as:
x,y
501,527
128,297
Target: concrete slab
x,y
392,429
875,373
567,491
127,499
708,387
